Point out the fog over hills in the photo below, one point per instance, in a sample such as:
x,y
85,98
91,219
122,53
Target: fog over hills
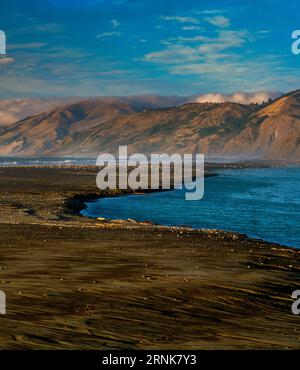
x,y
13,110
150,124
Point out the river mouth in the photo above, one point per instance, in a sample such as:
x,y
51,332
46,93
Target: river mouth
x,y
262,203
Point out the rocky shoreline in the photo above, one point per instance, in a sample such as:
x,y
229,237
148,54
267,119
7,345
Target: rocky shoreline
x,y
79,283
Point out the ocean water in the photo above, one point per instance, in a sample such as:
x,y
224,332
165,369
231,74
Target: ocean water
x,y
262,203
32,161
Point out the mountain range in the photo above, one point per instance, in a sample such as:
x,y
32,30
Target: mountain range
x,y
151,124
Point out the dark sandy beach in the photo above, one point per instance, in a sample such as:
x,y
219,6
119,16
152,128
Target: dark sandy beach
x,y
78,283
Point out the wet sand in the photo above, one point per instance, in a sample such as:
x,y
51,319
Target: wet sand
x,y
78,283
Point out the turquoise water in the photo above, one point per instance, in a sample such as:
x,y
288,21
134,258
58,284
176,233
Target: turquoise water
x,y
262,203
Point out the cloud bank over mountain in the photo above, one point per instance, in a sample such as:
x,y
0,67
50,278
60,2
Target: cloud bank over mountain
x,y
93,126
239,97
14,110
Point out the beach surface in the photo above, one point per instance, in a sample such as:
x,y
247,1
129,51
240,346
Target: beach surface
x,y
78,283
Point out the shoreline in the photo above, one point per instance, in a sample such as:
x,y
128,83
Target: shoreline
x,y
77,283
78,204
75,203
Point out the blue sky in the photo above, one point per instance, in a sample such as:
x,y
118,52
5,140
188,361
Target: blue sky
x,y
120,47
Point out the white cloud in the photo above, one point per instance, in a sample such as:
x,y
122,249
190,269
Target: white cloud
x,y
239,97
179,51
108,34
115,23
224,41
219,21
173,54
181,19
209,11
218,62
192,28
